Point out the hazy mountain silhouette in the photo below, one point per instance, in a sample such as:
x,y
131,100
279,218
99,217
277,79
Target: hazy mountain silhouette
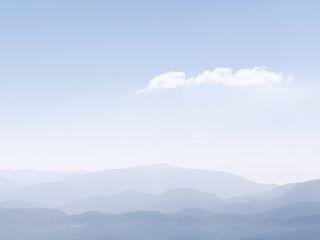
x,y
54,193
52,224
160,177
20,204
149,179
169,201
287,212
305,195
293,210
139,188
302,192
7,185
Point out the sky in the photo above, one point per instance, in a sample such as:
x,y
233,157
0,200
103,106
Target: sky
x,y
223,85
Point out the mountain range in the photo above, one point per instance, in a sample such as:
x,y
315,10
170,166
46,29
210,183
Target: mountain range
x,y
157,187
60,188
53,224
154,202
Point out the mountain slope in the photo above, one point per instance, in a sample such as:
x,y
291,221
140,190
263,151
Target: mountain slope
x,y
159,178
304,196
21,204
8,185
54,193
170,201
51,225
302,192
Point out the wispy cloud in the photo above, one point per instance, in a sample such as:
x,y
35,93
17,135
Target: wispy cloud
x,y
258,77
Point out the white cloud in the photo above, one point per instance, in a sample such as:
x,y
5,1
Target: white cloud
x,y
258,77
166,80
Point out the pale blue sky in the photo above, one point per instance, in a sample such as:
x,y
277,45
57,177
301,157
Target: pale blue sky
x,y
69,71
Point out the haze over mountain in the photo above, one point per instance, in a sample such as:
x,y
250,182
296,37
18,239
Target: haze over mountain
x,y
7,185
158,178
182,199
53,224
55,193
302,192
13,204
170,201
286,212
302,195
152,187
148,179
